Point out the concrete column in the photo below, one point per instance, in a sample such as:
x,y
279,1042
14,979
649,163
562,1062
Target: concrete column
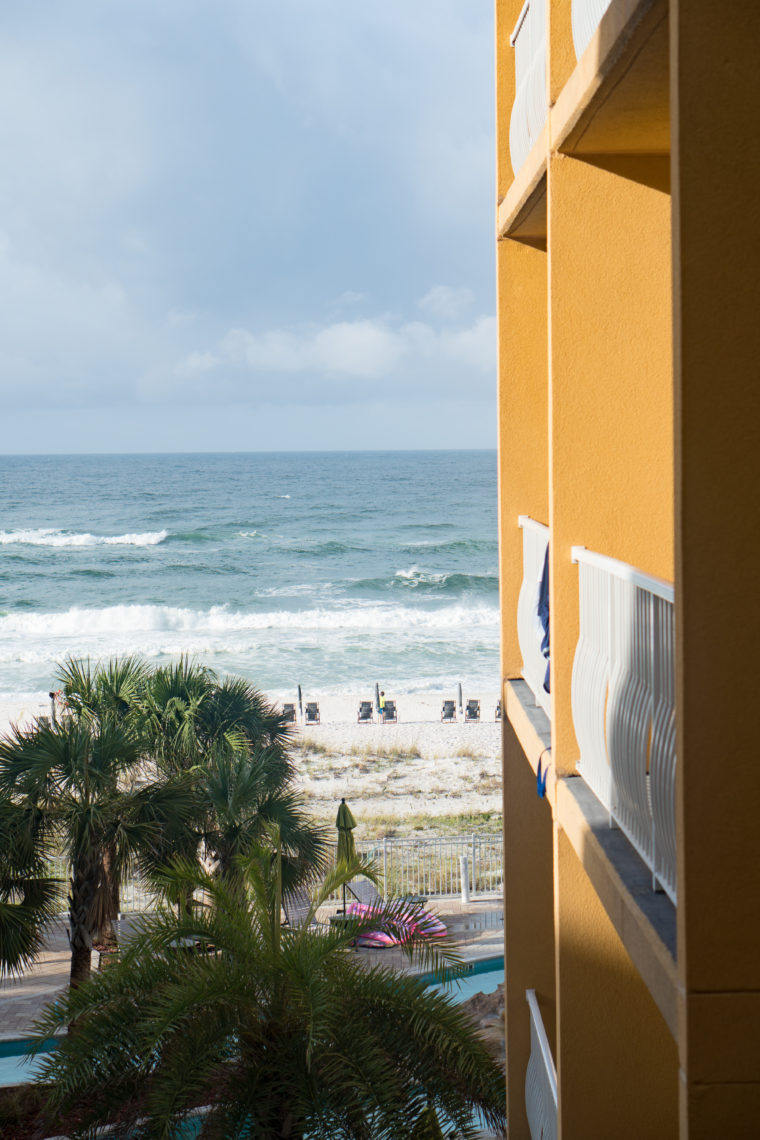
x,y
715,95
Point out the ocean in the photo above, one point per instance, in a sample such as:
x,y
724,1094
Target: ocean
x,y
333,570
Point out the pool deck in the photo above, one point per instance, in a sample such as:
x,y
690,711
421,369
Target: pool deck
x,y
476,927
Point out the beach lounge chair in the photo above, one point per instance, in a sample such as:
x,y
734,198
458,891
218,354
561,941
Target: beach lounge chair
x,y
449,710
390,716
312,713
297,903
289,714
472,711
498,711
365,712
365,892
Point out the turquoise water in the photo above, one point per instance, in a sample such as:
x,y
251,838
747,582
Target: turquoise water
x,y
329,569
484,977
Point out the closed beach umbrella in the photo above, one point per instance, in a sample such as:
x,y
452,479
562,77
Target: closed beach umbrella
x,y
377,697
345,823
300,703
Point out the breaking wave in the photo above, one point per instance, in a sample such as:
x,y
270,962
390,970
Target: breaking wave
x,y
48,536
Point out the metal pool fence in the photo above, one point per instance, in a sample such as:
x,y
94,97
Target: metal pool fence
x,y
134,895
411,866
407,866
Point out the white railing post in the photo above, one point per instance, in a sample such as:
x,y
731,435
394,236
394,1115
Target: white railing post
x,y
464,877
385,867
540,1078
623,699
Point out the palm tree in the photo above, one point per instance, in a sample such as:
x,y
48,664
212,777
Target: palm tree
x,y
281,1033
28,894
234,745
109,690
66,780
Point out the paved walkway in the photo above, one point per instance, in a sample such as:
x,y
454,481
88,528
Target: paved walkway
x,y
477,928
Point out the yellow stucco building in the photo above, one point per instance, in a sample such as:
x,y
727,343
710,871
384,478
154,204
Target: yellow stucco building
x,y
629,448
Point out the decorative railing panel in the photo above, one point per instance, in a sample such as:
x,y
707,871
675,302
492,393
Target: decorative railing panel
x,y
540,1078
623,698
530,632
586,15
530,107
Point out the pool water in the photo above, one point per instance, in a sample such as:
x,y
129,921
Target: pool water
x,y
15,1066
483,977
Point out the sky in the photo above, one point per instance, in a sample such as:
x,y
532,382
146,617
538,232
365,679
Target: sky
x,y
235,225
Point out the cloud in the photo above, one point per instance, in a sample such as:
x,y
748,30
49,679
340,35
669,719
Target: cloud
x,y
379,350
446,303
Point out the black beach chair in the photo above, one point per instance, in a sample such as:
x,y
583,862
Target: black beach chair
x,y
390,716
312,713
449,710
365,712
297,903
289,714
472,712
498,711
365,891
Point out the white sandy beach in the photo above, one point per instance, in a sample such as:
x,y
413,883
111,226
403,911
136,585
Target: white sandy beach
x,y
389,773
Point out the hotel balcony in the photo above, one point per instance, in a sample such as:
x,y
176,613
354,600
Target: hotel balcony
x,y
530,632
623,695
614,801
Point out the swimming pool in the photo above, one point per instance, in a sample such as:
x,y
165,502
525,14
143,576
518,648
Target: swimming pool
x,y
481,977
15,1066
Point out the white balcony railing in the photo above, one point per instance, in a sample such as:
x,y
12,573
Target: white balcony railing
x,y
530,106
530,632
540,1078
585,17
624,704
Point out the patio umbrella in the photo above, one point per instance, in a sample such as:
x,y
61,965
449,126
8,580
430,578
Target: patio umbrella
x,y
345,823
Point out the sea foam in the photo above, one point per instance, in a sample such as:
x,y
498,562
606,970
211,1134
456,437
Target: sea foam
x,y
48,536
131,619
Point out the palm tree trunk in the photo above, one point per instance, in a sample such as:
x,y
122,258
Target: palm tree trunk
x,y
84,885
105,934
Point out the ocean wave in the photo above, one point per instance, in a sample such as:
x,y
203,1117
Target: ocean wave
x,y
329,546
189,536
48,536
427,582
136,620
459,545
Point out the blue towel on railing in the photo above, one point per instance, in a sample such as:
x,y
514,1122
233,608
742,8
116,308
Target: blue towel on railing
x,y
543,614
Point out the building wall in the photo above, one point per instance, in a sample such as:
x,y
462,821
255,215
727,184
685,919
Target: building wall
x,y
611,391
628,420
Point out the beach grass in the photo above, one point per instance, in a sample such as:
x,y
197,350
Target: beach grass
x,y
423,824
